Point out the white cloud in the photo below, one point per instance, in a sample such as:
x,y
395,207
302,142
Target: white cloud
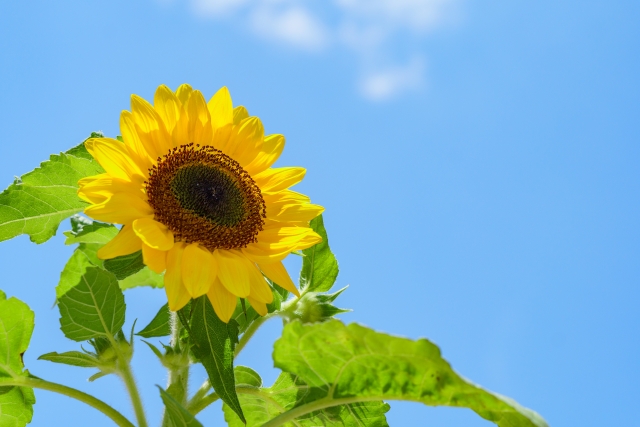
x,y
369,28
293,26
385,84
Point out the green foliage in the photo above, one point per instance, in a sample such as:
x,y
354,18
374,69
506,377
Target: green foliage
x,y
289,392
92,308
125,265
84,230
36,203
16,327
83,258
316,307
213,345
177,415
319,265
73,358
159,325
346,364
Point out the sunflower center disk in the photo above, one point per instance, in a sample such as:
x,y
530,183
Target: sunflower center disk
x,y
204,196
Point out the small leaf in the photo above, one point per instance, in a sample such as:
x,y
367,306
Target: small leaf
x,y
213,345
93,308
37,202
247,376
345,363
125,266
319,265
84,257
73,358
144,277
87,231
159,326
178,416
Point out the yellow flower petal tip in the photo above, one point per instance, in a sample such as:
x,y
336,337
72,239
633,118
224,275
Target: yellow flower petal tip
x,y
192,184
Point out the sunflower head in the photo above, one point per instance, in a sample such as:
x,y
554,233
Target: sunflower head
x,y
193,186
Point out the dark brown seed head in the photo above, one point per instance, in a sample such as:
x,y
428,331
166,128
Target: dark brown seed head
x,y
204,196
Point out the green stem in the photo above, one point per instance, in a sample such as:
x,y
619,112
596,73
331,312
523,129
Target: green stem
x,y
198,405
98,404
177,385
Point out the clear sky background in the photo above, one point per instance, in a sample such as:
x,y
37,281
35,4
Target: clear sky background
x,y
478,161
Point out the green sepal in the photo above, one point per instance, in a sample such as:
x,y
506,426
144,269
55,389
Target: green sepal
x,y
319,265
36,203
353,362
178,416
213,344
159,325
314,307
93,308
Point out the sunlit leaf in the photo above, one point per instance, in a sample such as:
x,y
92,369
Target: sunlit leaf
x,y
125,266
93,308
348,364
319,265
213,345
73,358
36,203
87,231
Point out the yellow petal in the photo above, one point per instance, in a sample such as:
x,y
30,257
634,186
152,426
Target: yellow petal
x,y
133,142
285,196
276,272
150,128
295,212
223,301
114,157
246,140
154,259
275,244
121,208
272,147
239,114
221,108
199,129
233,271
260,290
101,187
183,93
153,233
199,269
276,179
177,294
126,242
259,307
167,104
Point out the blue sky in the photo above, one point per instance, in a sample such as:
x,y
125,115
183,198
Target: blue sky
x,y
478,162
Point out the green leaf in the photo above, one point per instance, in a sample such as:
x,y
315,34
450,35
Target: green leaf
x,y
93,308
159,326
16,327
144,277
347,364
289,392
247,376
125,265
36,203
16,407
73,358
84,257
319,265
87,231
178,416
213,345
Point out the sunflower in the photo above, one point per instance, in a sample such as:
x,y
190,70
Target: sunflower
x,y
193,187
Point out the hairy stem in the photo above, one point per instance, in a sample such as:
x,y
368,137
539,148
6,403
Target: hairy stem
x,y
178,382
81,396
198,405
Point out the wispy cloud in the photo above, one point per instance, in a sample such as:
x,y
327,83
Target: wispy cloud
x,y
369,28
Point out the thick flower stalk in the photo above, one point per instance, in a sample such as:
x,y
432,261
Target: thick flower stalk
x,y
191,183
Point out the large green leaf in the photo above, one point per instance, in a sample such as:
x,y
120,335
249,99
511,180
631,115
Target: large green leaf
x,y
348,364
213,344
93,308
16,327
289,392
319,265
83,258
176,414
36,203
